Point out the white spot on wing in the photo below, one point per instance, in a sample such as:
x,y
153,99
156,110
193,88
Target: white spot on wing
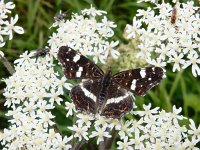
x,y
133,85
78,74
143,73
88,93
76,58
80,69
117,99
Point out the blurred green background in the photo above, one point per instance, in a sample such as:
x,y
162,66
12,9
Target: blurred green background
x,y
36,16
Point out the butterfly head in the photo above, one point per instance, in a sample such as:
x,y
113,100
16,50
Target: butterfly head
x,y
108,72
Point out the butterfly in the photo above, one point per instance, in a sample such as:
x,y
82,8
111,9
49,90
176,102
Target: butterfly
x,y
105,93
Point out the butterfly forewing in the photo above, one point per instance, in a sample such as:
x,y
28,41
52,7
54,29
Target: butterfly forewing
x,y
140,80
118,102
77,66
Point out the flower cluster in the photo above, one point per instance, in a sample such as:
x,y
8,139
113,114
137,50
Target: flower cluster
x,y
172,36
86,34
159,130
128,57
156,129
7,25
31,93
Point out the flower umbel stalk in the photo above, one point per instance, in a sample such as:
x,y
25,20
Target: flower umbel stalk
x,y
7,64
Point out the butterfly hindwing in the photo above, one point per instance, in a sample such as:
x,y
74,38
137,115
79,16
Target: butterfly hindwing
x,y
85,95
77,66
118,102
140,80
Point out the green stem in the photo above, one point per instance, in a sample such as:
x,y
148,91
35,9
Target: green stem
x,y
175,84
107,143
7,64
73,132
78,145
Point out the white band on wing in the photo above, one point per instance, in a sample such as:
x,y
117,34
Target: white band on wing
x,y
117,99
88,93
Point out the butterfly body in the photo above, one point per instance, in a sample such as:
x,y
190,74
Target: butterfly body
x,y
104,88
104,93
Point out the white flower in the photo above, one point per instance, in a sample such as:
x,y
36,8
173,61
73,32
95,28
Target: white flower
x,y
108,23
110,48
175,114
24,58
63,83
8,30
124,129
105,28
151,121
93,12
84,119
195,132
43,106
54,96
112,123
137,125
158,62
194,60
144,53
62,143
138,141
46,119
4,8
80,131
131,30
29,107
163,50
99,54
54,40
101,121
125,145
177,59
100,133
70,107
147,111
